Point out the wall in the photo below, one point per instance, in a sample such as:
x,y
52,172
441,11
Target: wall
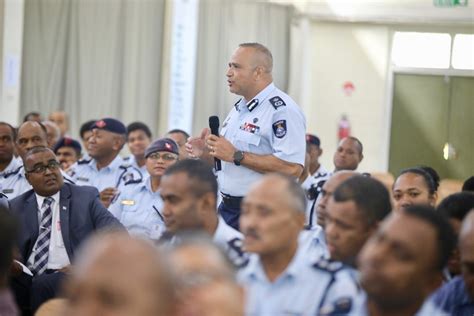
x,y
357,53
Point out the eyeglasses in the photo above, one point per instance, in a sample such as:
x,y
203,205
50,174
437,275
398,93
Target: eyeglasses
x,y
165,156
53,165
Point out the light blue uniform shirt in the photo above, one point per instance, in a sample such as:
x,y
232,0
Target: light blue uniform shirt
x,y
12,180
359,308
133,162
139,209
302,289
313,243
115,175
276,126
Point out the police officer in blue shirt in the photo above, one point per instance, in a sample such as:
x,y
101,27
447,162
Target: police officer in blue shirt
x,y
457,296
264,131
138,139
68,152
30,134
401,265
139,206
279,279
106,170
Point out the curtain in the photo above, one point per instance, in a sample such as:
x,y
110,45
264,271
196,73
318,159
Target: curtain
x,y
93,59
223,25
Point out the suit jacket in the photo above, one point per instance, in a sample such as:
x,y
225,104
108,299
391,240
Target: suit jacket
x,y
80,214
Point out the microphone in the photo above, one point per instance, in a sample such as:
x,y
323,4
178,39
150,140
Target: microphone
x,y
214,126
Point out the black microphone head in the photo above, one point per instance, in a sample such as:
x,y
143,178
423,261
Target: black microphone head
x,y
214,122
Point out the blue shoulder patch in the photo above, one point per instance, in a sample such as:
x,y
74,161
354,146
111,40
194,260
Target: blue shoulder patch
x,y
279,128
328,265
341,306
277,102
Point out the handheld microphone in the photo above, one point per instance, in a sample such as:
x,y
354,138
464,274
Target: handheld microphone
x,y
214,126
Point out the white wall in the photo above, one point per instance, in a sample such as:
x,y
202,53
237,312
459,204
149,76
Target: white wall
x,y
349,52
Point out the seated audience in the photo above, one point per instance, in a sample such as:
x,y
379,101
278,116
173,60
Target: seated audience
x,y
415,186
279,279
180,137
53,132
119,275
455,207
189,193
457,296
8,234
138,139
402,263
139,207
68,151
54,217
62,121
206,279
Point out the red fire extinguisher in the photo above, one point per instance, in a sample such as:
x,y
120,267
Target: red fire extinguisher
x,y
344,128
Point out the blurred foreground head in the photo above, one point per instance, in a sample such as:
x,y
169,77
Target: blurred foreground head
x,y
120,275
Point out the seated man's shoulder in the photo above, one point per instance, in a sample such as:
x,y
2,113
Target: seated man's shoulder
x,y
84,190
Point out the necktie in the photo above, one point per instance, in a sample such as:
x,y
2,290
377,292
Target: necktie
x,y
42,245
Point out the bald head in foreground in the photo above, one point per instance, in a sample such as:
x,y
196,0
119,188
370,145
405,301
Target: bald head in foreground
x,y
120,275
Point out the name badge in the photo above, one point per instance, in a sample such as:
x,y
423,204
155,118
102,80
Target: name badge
x,y
82,179
7,191
128,202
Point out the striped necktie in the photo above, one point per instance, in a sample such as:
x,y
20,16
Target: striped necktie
x,y
42,244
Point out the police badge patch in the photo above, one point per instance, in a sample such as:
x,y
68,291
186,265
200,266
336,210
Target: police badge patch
x,y
279,128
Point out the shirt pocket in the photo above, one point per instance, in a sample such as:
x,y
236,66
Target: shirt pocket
x,y
245,140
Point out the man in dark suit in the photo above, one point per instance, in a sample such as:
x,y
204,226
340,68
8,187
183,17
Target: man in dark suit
x,y
55,217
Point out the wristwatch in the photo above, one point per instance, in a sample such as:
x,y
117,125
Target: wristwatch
x,y
238,157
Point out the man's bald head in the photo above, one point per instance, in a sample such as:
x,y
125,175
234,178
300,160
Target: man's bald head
x,y
327,191
262,57
120,275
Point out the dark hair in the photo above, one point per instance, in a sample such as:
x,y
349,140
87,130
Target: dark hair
x,y
138,126
468,185
359,143
457,205
177,130
203,179
431,180
35,150
11,128
369,195
8,233
28,116
85,127
446,239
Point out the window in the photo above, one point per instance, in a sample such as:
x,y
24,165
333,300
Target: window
x,y
463,51
421,50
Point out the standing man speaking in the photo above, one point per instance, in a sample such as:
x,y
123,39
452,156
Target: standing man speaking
x,y
264,131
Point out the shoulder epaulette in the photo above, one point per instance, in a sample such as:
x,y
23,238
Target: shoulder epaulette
x,y
132,181
328,265
276,101
126,158
13,172
125,166
236,105
83,161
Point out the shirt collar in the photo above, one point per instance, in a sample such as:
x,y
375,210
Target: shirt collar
x,y
115,164
40,200
258,99
295,267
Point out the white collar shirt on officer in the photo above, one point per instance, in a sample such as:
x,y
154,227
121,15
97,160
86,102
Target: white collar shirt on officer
x,y
133,162
302,289
274,126
230,240
115,175
12,180
315,184
139,209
